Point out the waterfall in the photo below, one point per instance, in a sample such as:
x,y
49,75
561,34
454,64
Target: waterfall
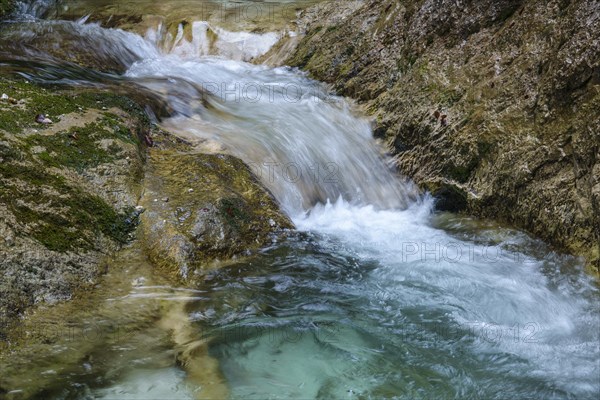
x,y
306,145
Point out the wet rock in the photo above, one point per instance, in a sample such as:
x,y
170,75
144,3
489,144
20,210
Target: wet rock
x,y
216,210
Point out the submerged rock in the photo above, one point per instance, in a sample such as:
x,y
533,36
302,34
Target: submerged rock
x,y
519,81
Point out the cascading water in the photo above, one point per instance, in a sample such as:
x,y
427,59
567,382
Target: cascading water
x,y
375,296
305,145
33,9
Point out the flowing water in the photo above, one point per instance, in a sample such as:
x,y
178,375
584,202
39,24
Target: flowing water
x,y
375,295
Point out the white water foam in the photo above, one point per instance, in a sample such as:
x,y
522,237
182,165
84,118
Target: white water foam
x,y
207,40
500,296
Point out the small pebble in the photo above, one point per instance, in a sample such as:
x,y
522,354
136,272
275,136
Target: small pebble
x,y
140,209
190,190
42,119
9,240
4,96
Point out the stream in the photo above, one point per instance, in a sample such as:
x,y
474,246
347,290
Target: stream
x,y
375,295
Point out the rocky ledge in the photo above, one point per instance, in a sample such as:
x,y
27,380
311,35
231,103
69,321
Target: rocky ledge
x,y
74,168
490,105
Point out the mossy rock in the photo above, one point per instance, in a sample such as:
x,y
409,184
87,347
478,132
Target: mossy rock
x,y
67,189
202,208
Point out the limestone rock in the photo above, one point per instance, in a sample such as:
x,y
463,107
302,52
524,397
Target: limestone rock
x,y
519,81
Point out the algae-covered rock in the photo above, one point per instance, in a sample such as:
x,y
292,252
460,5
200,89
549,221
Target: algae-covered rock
x,y
67,189
518,82
201,208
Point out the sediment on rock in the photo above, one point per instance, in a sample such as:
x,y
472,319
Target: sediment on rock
x,y
487,104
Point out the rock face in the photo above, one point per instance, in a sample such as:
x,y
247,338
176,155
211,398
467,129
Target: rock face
x,y
201,208
490,105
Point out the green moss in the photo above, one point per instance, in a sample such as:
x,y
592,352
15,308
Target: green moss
x,y
60,216
234,212
79,148
62,150
47,207
55,101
